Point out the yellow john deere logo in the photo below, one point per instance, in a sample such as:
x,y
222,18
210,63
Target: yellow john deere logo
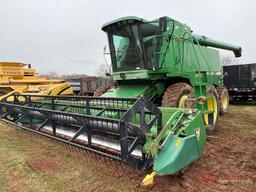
x,y
177,144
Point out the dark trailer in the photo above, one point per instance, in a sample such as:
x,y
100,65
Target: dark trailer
x,y
240,81
88,85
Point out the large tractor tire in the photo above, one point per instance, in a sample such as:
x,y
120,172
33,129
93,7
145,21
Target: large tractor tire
x,y
176,95
211,120
101,90
223,100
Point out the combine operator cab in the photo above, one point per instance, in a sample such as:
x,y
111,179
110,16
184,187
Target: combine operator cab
x,y
135,44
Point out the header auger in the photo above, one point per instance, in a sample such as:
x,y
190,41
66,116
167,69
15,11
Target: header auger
x,y
168,93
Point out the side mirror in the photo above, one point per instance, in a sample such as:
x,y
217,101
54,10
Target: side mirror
x,y
106,60
105,50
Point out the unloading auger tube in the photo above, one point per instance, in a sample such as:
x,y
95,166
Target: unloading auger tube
x,y
133,131
206,41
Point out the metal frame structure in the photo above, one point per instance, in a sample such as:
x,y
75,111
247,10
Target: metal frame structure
x,y
89,115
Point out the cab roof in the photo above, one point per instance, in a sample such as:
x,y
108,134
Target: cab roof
x,y
128,19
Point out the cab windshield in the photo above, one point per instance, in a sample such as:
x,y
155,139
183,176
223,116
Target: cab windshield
x,y
132,46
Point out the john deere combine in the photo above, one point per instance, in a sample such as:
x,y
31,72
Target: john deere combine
x,y
15,78
168,82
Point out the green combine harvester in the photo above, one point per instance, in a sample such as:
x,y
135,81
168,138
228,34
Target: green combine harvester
x,y
168,93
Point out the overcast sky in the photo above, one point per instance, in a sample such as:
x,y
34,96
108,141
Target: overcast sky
x,y
65,35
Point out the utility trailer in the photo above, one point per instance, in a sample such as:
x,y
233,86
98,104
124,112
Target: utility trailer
x,y
240,81
88,85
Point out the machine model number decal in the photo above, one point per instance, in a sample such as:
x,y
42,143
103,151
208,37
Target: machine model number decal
x,y
197,133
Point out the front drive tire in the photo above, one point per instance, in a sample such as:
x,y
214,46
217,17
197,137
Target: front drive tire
x,y
176,95
211,120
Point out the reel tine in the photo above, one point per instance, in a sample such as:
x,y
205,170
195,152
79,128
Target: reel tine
x,y
71,149
80,151
98,158
106,159
86,152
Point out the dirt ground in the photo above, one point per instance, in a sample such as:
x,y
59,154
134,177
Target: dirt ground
x,y
228,163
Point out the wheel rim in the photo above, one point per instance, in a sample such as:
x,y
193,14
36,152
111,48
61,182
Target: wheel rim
x,y
224,101
182,101
212,106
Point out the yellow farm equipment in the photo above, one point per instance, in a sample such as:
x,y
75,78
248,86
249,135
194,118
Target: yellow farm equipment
x,y
16,78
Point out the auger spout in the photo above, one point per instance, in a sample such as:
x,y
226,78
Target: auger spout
x,y
205,41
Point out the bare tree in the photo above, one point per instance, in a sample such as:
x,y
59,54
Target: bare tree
x,y
102,70
74,76
51,75
229,60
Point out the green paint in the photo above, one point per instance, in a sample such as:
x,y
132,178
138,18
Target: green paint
x,y
146,58
183,135
126,91
176,154
171,53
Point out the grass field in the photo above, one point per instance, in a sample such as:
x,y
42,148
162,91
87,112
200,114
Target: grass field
x,y
30,163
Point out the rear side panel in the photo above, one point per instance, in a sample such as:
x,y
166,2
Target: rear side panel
x,y
241,81
231,76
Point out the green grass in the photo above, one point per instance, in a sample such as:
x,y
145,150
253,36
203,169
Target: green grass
x,y
75,172
19,151
241,118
